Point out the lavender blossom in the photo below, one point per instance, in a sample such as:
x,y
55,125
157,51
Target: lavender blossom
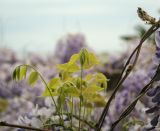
x,y
68,46
5,92
38,114
21,99
154,93
134,83
157,38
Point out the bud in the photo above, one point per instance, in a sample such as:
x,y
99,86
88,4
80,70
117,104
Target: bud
x,y
84,56
129,68
143,15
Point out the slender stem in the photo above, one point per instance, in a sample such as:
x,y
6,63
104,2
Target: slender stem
x,y
60,109
71,112
45,83
84,111
85,121
21,126
121,79
80,107
82,120
42,80
133,104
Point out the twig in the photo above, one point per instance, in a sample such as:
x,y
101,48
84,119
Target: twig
x,y
46,85
2,123
122,79
133,104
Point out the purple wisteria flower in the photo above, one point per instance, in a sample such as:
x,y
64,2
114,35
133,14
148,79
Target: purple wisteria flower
x,y
157,38
68,46
154,93
134,83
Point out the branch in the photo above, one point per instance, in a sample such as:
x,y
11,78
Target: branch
x,y
133,104
128,70
2,123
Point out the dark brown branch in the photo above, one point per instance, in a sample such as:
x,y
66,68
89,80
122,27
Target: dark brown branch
x,y
133,104
122,78
2,123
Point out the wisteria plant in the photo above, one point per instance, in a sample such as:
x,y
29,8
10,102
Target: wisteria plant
x,y
76,92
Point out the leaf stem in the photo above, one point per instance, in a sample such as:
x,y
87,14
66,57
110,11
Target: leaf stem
x,y
45,83
71,112
80,106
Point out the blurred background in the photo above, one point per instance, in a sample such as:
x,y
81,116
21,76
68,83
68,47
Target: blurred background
x,y
36,25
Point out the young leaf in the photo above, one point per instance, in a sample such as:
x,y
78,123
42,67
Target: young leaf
x,y
98,79
69,90
18,73
89,77
53,83
68,67
46,93
71,66
72,91
92,89
101,79
74,58
23,71
65,76
33,78
14,75
92,60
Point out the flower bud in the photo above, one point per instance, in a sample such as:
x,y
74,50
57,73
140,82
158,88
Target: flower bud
x,y
84,57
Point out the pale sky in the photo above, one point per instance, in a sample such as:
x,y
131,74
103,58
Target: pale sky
x,y
36,25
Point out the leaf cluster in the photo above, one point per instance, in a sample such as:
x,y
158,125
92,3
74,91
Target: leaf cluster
x,y
75,91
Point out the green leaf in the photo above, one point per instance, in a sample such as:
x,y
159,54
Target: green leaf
x,y
74,58
71,66
92,60
101,79
54,83
89,77
18,73
72,91
46,93
68,67
92,89
33,78
87,60
69,90
14,75
23,71
98,79
97,99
